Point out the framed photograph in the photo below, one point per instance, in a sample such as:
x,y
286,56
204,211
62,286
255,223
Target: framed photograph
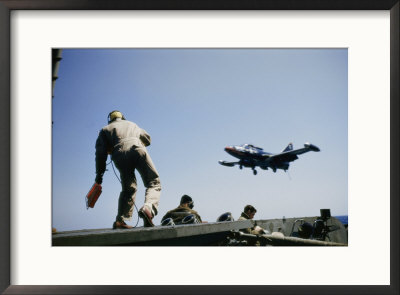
x,y
262,71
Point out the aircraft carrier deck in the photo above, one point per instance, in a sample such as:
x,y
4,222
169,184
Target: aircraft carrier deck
x,y
281,232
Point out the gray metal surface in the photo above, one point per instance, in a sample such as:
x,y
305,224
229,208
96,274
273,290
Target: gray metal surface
x,y
194,234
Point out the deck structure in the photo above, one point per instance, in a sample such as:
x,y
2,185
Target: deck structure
x,y
281,232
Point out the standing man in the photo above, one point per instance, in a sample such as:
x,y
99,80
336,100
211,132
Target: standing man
x,y
126,142
184,209
248,213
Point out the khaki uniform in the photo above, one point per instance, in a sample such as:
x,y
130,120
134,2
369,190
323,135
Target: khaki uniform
x,y
249,230
126,142
255,230
179,213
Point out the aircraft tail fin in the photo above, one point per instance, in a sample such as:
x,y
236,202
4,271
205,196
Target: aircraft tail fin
x,y
288,148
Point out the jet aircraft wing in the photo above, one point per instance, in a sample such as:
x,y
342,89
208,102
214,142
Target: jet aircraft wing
x,y
292,155
284,157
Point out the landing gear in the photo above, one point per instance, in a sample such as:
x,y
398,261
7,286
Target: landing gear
x,y
254,171
240,167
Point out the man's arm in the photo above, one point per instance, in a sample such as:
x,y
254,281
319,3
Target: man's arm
x,y
101,156
198,217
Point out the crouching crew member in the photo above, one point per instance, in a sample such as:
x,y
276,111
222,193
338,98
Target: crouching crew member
x,y
184,209
248,213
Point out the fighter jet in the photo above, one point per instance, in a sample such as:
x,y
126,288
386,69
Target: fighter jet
x,y
251,156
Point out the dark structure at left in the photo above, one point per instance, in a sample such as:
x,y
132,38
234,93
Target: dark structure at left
x,y
56,56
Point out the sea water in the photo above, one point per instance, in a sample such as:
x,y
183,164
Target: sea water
x,y
342,219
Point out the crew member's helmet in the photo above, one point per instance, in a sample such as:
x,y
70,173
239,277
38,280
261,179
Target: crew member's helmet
x,y
227,216
114,115
190,219
167,222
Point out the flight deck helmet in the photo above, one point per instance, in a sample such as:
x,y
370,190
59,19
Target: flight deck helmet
x,y
190,219
167,222
227,216
114,115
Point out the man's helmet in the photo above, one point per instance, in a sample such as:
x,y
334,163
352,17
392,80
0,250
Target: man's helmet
x,y
167,222
190,219
114,115
225,217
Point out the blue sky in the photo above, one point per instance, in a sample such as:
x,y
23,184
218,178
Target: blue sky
x,y
193,103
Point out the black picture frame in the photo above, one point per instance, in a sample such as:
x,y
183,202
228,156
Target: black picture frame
x,y
5,123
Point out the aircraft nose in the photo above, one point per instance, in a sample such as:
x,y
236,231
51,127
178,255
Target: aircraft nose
x,y
228,148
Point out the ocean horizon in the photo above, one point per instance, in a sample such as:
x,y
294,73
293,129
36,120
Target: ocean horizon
x,y
343,219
